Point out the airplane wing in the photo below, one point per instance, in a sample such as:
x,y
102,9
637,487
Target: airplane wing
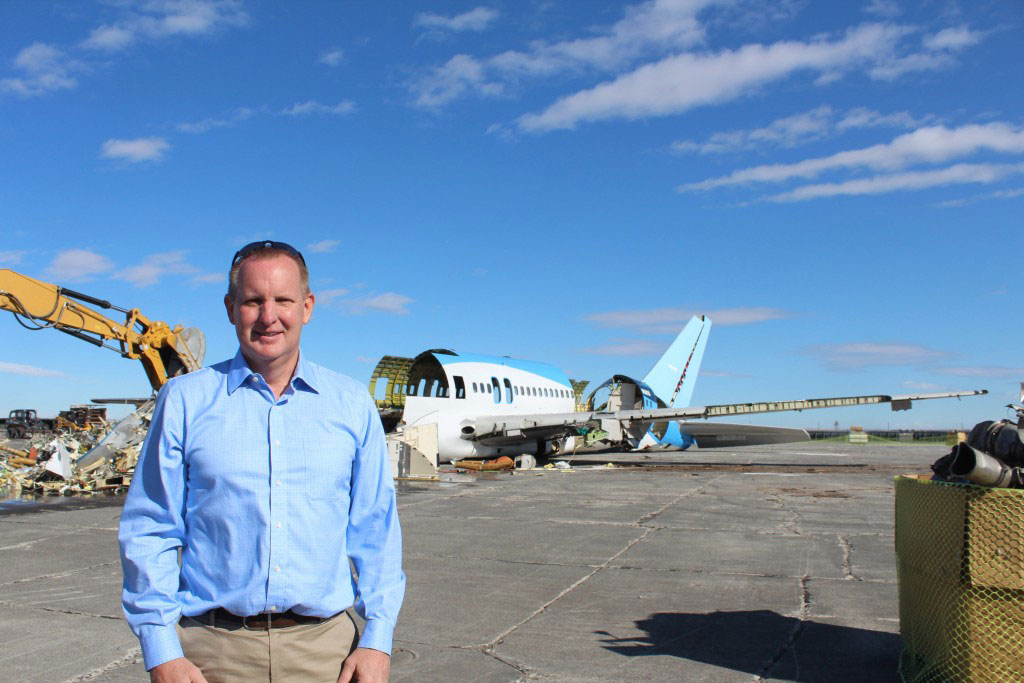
x,y
499,429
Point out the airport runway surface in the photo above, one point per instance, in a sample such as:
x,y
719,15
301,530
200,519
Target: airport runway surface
x,y
762,563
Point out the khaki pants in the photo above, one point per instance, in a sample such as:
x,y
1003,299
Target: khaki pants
x,y
307,652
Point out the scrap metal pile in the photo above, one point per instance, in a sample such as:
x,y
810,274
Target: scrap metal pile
x,y
93,460
993,455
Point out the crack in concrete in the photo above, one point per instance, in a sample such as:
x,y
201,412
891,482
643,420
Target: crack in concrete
x,y
59,575
792,525
494,559
640,523
133,656
848,574
794,636
500,518
7,603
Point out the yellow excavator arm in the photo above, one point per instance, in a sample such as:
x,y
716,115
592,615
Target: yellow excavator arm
x,y
163,351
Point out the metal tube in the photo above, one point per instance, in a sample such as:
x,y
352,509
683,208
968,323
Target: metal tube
x,y
980,468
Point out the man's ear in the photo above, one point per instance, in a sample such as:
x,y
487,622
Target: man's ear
x,y
307,308
229,304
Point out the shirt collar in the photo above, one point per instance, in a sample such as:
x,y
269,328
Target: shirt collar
x,y
239,371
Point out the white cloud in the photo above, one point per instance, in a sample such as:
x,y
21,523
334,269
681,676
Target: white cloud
x,y
797,129
652,25
43,69
720,373
388,302
209,278
884,8
28,370
911,180
921,386
11,258
156,266
314,107
932,144
789,131
628,347
332,57
866,354
983,371
681,82
323,246
459,75
325,297
135,150
938,49
671,320
1013,193
158,19
862,117
477,19
208,124
952,39
78,264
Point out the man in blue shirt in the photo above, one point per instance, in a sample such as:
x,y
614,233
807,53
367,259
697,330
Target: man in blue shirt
x,y
267,474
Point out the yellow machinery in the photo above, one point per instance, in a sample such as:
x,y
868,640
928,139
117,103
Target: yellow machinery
x,y
163,351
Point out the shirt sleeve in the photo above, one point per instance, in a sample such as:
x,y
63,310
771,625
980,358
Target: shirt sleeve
x,y
151,531
374,537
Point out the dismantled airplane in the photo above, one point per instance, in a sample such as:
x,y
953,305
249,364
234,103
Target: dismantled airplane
x,y
472,406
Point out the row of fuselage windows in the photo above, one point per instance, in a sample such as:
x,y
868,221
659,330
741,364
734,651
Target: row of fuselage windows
x,y
488,388
502,391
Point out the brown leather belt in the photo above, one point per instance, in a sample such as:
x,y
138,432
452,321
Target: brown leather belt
x,y
260,622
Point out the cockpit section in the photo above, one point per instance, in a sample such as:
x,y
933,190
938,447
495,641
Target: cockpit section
x,y
397,377
427,377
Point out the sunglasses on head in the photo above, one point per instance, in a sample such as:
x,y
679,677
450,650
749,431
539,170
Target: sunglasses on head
x,y
252,247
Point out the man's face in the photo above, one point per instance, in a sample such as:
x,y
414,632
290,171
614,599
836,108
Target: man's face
x,y
269,310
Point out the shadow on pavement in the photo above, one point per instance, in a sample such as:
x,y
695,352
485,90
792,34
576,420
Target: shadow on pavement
x,y
755,642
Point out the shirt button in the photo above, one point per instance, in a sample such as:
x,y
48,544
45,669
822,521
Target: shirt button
x,y
278,525
277,483
277,569
277,443
252,378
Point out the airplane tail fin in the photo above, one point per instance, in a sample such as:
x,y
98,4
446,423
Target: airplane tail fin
x,y
674,376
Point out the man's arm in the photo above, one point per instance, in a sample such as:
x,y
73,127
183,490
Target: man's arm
x,y
151,531
374,537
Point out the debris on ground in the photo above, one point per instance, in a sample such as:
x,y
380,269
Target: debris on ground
x,y
99,458
502,463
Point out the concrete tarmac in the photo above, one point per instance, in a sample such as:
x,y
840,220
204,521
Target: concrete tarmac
x,y
757,563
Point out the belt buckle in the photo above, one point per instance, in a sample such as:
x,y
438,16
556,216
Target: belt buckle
x,y
264,625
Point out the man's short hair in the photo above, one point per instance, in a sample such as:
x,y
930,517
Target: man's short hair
x,y
266,250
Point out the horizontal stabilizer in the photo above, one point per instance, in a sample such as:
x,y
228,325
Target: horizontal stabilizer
x,y
724,435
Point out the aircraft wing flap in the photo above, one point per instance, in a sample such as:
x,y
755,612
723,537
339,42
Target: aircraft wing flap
x,y
704,412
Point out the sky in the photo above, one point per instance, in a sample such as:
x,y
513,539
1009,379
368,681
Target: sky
x,y
838,186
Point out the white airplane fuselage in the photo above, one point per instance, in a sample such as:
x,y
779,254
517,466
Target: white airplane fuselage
x,y
485,385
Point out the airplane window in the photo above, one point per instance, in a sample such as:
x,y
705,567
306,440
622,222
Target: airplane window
x,y
497,389
508,391
460,387
534,390
474,387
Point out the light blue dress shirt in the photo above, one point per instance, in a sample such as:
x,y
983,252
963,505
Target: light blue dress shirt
x,y
267,499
